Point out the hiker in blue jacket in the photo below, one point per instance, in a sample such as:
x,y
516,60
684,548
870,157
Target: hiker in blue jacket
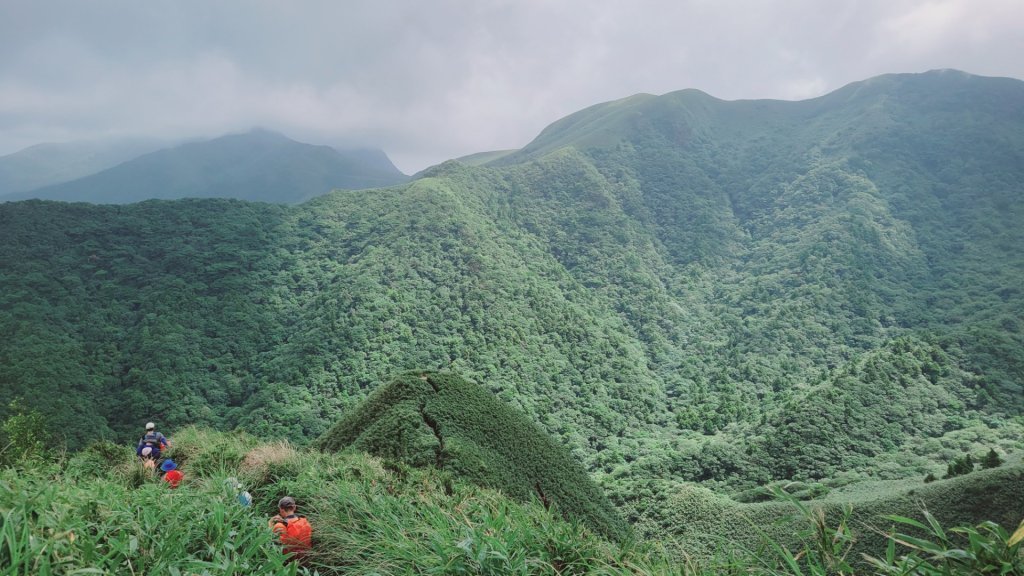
x,y
151,445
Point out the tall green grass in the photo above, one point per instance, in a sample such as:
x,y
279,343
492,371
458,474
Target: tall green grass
x,y
54,525
99,512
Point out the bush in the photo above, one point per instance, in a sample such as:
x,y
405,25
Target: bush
x,y
207,453
23,434
98,460
991,460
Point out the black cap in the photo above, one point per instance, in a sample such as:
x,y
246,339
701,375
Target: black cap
x,y
286,502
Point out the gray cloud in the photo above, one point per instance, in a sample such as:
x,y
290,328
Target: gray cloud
x,y
427,81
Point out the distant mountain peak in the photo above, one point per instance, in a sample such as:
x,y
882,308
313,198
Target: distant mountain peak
x,y
259,164
260,132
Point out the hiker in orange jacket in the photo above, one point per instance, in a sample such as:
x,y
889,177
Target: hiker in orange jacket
x,y
294,531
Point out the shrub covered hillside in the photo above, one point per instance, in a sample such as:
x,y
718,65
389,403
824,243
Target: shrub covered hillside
x,y
702,522
99,512
442,420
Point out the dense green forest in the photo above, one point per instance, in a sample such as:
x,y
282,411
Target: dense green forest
x,y
677,288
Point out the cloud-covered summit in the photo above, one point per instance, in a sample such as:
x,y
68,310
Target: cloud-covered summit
x,y
431,81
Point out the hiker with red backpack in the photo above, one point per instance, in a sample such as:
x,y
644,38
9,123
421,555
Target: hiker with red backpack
x,y
294,531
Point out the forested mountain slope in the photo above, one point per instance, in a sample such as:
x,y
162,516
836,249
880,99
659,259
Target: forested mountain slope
x,y
675,287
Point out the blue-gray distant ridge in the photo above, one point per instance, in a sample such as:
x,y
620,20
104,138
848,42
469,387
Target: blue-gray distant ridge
x,y
259,165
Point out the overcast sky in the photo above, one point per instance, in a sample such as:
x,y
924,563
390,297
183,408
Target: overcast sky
x,y
429,80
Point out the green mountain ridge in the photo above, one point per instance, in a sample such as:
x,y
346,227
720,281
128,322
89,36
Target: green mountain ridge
x,y
441,420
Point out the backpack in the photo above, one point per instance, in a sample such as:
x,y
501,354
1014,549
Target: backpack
x,y
152,441
173,478
297,536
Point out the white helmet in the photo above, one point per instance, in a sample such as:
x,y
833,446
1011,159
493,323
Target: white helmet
x,y
150,426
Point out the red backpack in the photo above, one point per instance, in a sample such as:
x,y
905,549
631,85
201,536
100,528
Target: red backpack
x,y
297,535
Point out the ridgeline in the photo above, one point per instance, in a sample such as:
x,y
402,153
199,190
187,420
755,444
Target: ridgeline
x,y
441,420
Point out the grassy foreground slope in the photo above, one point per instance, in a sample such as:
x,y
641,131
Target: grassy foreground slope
x,y
442,420
99,512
